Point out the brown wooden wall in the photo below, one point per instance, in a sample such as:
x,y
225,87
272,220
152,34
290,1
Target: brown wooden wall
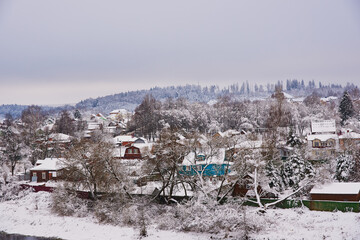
x,y
40,178
336,197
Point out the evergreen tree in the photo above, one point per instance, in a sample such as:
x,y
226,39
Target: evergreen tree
x,y
77,114
273,173
344,167
294,170
289,174
293,140
346,108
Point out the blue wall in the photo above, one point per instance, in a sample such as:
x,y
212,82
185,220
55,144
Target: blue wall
x,y
210,170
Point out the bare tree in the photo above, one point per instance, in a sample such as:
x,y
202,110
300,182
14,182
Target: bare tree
x,y
168,153
65,124
91,166
13,145
146,116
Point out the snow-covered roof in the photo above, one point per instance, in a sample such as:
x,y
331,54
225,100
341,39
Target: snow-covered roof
x,y
212,102
323,126
301,99
48,127
216,159
93,125
322,137
60,137
351,135
288,96
328,99
249,144
337,188
49,164
117,111
124,138
228,133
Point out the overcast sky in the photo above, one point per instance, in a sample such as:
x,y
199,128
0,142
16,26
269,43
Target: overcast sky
x,y
55,52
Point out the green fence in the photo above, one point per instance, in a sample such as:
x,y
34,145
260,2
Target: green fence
x,y
313,205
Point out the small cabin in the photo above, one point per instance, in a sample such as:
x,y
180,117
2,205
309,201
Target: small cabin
x,y
349,191
46,170
132,153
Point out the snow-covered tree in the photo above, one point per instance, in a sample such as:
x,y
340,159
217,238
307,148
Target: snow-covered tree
x,y
90,165
65,124
293,140
146,116
344,166
346,108
12,153
294,170
168,152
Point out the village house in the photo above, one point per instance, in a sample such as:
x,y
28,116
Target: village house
x,y
348,140
47,169
128,140
323,141
212,166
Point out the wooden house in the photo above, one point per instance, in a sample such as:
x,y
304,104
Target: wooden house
x,y
216,165
348,140
132,153
349,191
47,169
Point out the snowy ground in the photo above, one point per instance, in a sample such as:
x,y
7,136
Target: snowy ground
x,y
31,215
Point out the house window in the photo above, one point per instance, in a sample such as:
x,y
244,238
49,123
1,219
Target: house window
x,y
316,144
198,167
43,175
188,168
331,143
129,151
136,151
34,174
53,174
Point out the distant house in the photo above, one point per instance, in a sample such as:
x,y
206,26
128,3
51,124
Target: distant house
x,y
241,188
140,140
208,167
127,140
59,138
47,169
207,170
285,151
348,139
349,191
132,153
323,140
124,140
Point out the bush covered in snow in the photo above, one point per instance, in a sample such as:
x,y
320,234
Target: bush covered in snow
x,y
205,217
67,203
12,191
109,209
